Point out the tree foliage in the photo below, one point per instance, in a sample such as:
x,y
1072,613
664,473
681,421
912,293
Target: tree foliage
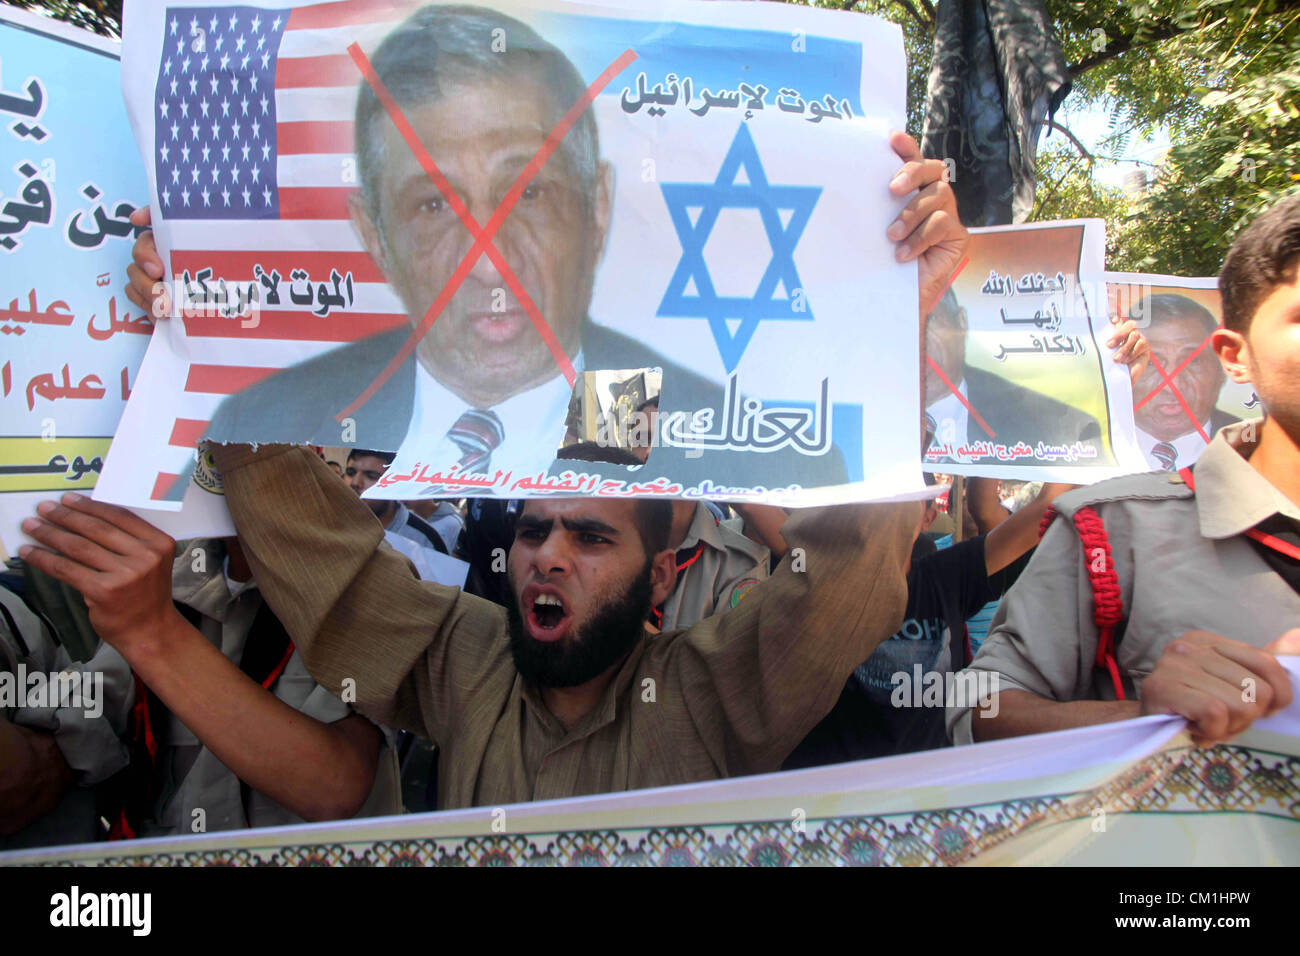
x,y
1221,77
99,16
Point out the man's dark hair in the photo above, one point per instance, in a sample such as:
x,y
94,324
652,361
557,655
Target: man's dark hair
x,y
1163,306
385,456
1264,256
948,307
654,518
439,46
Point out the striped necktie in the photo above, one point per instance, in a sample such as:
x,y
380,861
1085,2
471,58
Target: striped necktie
x,y
1166,454
476,433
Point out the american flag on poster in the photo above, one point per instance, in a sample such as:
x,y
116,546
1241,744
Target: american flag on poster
x,y
252,126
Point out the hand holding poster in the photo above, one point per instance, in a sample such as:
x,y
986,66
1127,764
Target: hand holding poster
x,y
1183,397
1019,382
648,192
72,341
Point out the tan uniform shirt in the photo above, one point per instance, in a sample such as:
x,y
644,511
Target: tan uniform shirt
x,y
1183,564
732,695
727,565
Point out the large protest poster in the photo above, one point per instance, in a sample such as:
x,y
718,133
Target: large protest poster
x,y
1134,792
1184,397
70,341
1019,382
680,200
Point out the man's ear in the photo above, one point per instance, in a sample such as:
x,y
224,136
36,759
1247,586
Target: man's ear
x,y
1234,354
663,577
367,230
961,318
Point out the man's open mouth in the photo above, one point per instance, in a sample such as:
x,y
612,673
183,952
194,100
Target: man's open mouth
x,y
499,327
546,614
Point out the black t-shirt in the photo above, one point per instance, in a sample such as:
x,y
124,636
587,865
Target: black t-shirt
x,y
945,588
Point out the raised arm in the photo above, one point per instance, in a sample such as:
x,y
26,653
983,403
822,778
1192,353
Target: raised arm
x,y
409,650
122,565
1017,533
756,679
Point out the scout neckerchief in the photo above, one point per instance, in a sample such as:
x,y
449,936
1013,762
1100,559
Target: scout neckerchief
x,y
1276,538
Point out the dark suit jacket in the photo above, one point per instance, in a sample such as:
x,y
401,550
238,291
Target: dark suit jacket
x,y
1221,419
298,404
1020,414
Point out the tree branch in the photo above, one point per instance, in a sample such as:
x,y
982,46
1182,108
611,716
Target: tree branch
x,y
916,15
1073,139
1123,44
1040,201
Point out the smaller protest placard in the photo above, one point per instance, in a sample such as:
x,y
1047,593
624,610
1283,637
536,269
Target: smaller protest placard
x,y
1019,381
1184,397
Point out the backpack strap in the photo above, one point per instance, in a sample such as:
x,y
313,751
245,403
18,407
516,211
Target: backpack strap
x,y
1107,598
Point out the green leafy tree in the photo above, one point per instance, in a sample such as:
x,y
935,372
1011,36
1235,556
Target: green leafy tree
x,y
1220,77
99,16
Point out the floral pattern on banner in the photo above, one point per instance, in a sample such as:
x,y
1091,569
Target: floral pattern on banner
x,y
1223,778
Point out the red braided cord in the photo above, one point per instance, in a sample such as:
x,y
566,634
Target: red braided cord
x,y
1108,602
1048,517
1107,599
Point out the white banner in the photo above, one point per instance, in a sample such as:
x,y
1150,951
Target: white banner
x,y
1133,793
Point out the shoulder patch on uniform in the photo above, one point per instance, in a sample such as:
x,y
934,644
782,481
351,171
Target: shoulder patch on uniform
x,y
206,475
1151,486
742,588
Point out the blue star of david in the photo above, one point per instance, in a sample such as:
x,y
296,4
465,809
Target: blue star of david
x,y
712,198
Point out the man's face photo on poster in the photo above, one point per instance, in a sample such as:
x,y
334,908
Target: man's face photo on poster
x,y
1176,327
482,116
945,344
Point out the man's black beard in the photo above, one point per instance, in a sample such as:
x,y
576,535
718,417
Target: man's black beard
x,y
583,655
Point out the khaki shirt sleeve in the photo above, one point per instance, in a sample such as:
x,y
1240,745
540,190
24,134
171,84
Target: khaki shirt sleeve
x,y
738,567
407,653
753,681
1042,639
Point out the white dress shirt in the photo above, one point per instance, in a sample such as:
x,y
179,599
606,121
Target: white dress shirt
x,y
951,420
527,422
